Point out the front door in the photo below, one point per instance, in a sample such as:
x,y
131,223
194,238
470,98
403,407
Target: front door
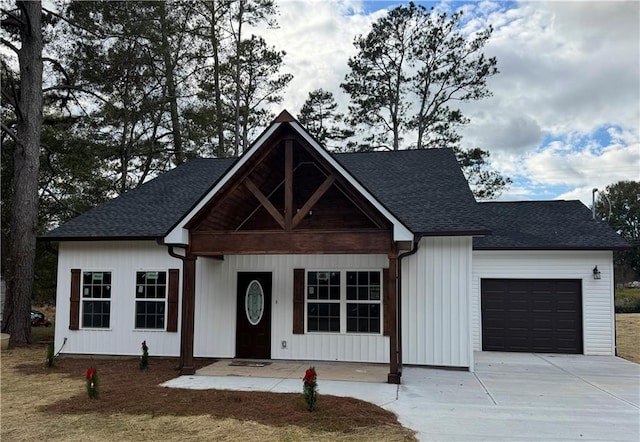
x,y
253,323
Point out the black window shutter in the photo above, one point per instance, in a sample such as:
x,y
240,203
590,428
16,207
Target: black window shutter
x,y
74,310
298,301
172,300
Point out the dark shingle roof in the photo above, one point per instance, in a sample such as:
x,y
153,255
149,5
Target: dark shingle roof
x,y
424,189
149,210
544,225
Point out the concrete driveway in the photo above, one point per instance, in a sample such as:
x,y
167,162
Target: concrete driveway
x,y
510,397
524,397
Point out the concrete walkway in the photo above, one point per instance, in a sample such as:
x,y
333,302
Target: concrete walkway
x,y
510,397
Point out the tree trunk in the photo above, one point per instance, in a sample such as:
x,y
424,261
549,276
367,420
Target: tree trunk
x,y
23,229
237,145
215,43
171,87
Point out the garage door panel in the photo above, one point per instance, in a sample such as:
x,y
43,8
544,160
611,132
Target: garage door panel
x,y
531,315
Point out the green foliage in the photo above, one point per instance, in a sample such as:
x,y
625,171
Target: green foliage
x,y
627,301
485,182
620,208
144,359
409,70
320,117
93,383
414,56
310,388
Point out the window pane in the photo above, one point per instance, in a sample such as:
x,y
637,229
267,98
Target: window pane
x,y
323,317
150,314
95,314
96,291
363,286
323,285
363,318
153,287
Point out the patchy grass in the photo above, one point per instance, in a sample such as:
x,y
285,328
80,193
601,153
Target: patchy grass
x,y
628,336
52,404
627,300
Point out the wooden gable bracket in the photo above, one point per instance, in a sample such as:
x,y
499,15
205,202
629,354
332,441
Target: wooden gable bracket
x,y
289,221
264,201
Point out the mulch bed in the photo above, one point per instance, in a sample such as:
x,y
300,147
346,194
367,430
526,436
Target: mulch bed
x,y
124,388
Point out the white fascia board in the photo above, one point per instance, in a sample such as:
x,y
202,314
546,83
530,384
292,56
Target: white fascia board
x,y
400,231
180,235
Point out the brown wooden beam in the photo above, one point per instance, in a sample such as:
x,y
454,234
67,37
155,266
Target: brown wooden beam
x,y
264,201
288,184
313,200
188,313
279,242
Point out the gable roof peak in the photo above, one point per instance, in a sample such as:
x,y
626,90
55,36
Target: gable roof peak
x,y
284,117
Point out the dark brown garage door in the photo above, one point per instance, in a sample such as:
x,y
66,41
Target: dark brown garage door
x,y
532,315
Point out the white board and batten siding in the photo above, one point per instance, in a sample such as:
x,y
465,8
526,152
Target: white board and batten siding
x,y
215,304
436,295
216,298
123,259
598,314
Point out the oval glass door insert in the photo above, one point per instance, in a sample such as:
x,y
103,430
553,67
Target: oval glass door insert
x,y
254,302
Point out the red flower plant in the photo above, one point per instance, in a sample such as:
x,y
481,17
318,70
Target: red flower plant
x,y
92,382
309,388
309,376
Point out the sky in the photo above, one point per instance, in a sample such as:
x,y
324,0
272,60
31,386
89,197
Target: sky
x,y
564,117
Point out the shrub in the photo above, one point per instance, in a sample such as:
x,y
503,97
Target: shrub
x,y
144,359
310,388
627,300
92,382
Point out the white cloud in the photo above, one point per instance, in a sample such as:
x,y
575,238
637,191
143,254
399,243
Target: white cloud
x,y
568,70
318,38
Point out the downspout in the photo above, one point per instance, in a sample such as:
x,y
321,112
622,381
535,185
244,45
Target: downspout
x,y
172,253
416,243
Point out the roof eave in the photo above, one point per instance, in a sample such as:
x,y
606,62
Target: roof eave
x,y
474,232
98,238
552,248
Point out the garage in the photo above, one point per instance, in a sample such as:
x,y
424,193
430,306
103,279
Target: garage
x,y
532,315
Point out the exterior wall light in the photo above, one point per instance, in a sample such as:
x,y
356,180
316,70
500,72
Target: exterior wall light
x,y
596,273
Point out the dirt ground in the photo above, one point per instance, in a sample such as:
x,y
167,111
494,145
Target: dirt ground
x,y
628,336
52,404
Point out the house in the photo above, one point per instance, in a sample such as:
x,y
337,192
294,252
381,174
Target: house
x,y
292,252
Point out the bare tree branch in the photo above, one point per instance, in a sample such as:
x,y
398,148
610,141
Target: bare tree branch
x,y
10,45
10,132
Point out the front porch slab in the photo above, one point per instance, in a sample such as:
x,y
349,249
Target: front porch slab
x,y
277,369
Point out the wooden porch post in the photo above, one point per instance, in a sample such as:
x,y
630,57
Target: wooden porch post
x,y
188,312
394,368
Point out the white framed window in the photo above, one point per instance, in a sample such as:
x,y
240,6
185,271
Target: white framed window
x,y
96,299
151,300
364,297
344,301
